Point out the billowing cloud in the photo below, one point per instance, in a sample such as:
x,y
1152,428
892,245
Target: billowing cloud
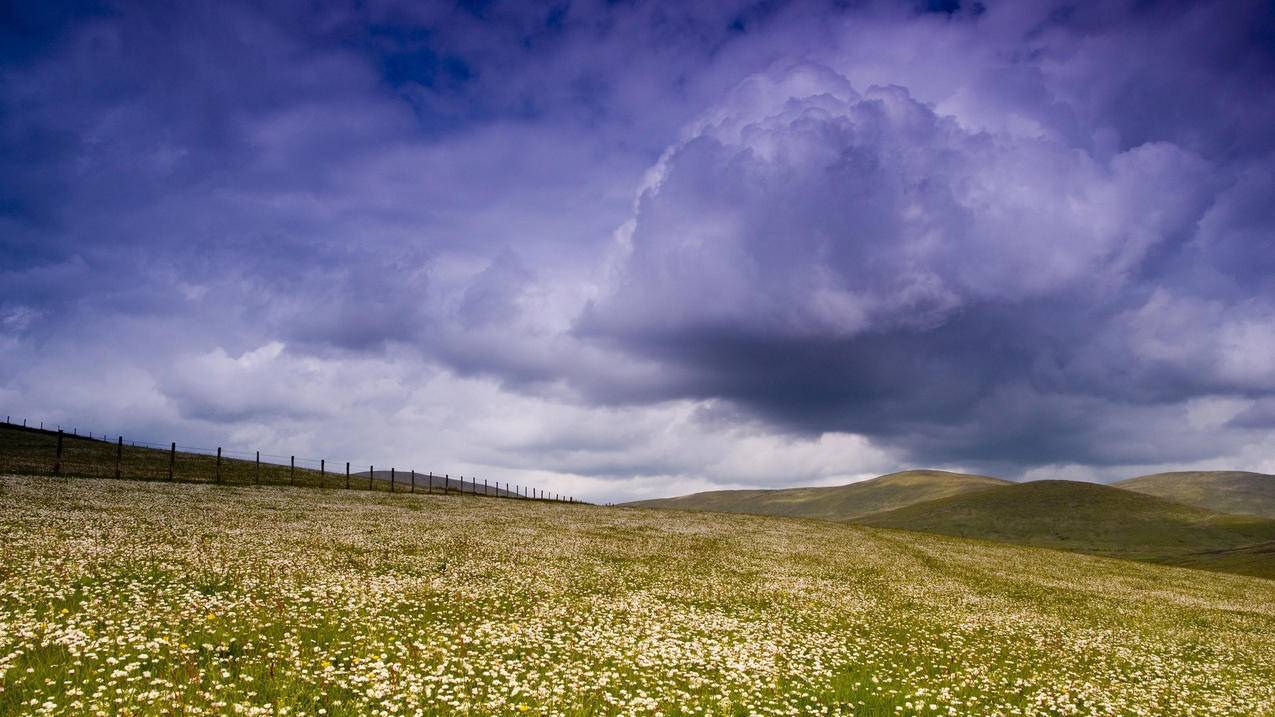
x,y
794,243
853,260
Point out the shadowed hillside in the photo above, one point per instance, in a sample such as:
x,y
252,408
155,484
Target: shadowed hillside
x,y
427,482
1223,491
1098,519
33,451
844,502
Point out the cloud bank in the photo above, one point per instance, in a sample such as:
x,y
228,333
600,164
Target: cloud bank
x,y
793,244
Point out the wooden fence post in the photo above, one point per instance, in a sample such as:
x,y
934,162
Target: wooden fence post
x,y
218,464
447,479
371,471
119,455
323,471
485,491
431,482
258,471
391,479
57,458
292,470
413,480
347,474
172,459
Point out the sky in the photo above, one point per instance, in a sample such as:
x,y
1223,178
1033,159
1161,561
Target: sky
x,y
621,250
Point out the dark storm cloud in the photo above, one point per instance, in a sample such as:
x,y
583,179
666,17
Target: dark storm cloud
x,y
842,258
999,234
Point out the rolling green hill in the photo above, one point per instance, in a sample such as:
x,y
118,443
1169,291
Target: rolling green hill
x,y
1223,491
1098,519
844,502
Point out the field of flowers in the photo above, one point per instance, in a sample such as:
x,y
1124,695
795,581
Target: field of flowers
x,y
121,597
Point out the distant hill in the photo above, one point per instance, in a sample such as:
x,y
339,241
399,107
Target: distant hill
x,y
1099,519
1223,491
843,503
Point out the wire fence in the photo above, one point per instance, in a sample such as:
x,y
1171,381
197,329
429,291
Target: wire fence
x,y
53,450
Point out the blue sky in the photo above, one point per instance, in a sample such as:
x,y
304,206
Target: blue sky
x,y
633,249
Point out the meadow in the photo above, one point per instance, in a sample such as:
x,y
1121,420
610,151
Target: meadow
x,y
140,598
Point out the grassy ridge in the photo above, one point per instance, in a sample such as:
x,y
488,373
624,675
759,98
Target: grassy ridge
x,y
1223,491
123,597
33,451
834,503
1098,519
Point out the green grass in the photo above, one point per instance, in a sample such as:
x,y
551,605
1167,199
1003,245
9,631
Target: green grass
x,y
33,451
126,597
1099,519
844,502
1223,491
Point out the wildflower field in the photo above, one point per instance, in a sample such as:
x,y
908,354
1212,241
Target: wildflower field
x,y
120,597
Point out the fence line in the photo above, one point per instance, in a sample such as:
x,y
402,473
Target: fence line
x,y
52,451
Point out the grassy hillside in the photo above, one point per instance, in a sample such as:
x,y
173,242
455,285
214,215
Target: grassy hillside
x,y
403,480
32,451
835,503
1097,519
1222,491
124,597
